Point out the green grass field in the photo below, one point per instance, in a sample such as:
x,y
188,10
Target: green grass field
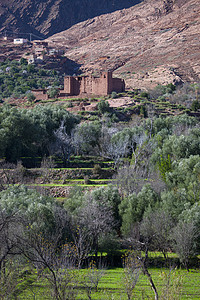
x,y
183,285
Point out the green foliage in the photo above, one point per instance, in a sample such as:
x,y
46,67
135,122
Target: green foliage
x,y
161,90
52,92
30,97
177,147
109,196
170,88
186,177
86,137
195,105
144,95
114,95
169,124
29,132
97,170
173,202
165,165
31,68
42,72
23,61
133,207
143,111
103,107
17,78
29,204
75,200
191,213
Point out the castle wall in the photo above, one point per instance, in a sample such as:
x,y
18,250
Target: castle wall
x,y
40,94
85,85
103,85
100,85
118,85
68,85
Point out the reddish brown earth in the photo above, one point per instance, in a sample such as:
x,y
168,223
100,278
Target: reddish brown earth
x,y
153,42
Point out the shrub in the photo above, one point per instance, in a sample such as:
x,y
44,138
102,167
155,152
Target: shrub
x,y
53,92
97,170
195,105
69,104
30,97
86,179
114,95
143,111
144,95
103,106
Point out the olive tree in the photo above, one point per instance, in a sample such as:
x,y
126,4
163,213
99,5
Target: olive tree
x,y
86,137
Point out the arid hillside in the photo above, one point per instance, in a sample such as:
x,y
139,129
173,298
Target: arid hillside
x,y
47,17
153,42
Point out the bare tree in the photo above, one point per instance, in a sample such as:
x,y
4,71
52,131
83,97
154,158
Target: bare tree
x,y
97,219
11,266
46,167
105,140
9,242
82,243
6,175
129,180
184,235
156,229
92,278
132,269
138,246
62,144
13,280
172,284
117,150
53,260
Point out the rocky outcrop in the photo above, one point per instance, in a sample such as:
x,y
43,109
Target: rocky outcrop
x,y
46,17
156,41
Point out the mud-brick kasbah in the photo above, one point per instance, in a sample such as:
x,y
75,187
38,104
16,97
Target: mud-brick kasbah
x,y
103,85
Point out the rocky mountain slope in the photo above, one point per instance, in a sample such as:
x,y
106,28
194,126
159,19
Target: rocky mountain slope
x,y
46,17
156,41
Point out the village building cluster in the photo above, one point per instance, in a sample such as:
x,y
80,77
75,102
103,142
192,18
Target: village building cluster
x,y
87,85
42,52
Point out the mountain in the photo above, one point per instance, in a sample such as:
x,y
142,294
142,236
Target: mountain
x,y
156,41
47,17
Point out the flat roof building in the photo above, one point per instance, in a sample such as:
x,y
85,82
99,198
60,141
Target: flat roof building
x,y
91,85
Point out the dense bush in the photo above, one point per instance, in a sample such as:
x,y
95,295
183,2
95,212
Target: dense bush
x,y
29,132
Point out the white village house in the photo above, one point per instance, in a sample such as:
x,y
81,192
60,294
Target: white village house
x,y
20,41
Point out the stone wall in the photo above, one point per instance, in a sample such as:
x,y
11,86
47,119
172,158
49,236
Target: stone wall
x,y
40,94
118,85
90,85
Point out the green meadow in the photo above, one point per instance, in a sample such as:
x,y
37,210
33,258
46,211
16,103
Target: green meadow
x,y
171,284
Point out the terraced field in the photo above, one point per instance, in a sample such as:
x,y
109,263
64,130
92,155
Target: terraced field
x,y
88,173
